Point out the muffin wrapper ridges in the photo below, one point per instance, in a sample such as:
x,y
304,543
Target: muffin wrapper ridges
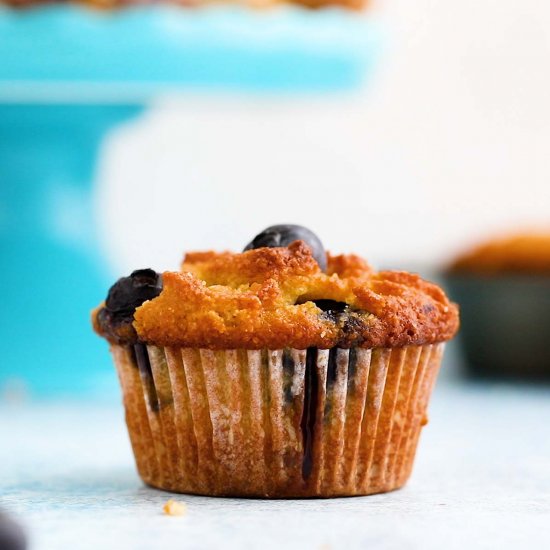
x,y
283,423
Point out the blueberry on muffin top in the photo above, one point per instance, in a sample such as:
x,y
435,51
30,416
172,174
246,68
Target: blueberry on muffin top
x,y
283,235
115,319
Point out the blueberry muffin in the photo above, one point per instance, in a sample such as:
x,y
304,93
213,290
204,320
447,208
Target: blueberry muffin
x,y
281,371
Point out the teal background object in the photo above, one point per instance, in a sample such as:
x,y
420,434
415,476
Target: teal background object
x,y
140,51
53,271
69,75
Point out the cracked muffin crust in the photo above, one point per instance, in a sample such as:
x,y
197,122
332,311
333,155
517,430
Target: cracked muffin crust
x,y
279,297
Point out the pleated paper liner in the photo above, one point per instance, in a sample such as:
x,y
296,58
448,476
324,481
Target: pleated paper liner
x,y
283,423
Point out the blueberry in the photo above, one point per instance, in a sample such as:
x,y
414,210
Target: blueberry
x,y
350,322
331,306
12,536
333,310
283,235
128,293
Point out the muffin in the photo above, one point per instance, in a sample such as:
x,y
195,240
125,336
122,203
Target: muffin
x,y
503,288
281,371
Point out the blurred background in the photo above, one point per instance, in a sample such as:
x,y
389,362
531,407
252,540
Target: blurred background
x,y
448,142
428,129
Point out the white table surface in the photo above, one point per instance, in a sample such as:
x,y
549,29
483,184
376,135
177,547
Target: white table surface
x,y
481,480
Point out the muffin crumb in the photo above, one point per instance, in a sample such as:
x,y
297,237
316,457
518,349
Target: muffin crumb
x,y
174,508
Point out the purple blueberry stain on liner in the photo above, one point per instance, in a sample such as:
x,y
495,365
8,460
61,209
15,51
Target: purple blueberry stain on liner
x,y
311,399
288,373
332,367
140,355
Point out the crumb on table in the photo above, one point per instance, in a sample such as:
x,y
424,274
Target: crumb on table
x,y
174,508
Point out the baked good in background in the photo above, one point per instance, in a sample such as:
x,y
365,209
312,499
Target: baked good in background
x,y
517,254
281,371
112,4
503,288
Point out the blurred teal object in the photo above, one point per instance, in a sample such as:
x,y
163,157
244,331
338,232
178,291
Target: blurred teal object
x,y
68,75
53,272
139,51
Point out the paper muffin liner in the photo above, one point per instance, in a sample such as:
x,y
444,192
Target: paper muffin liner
x,y
276,423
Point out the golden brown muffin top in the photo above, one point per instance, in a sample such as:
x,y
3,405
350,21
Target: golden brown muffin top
x,y
526,253
278,297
